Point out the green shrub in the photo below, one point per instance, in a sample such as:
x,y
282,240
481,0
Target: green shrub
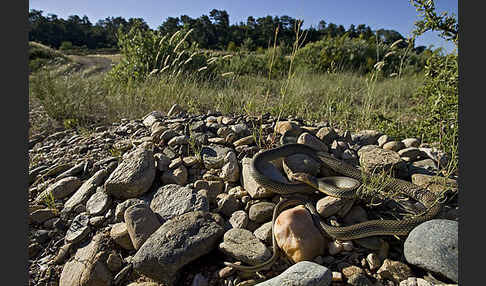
x,y
231,47
147,52
344,54
440,101
67,45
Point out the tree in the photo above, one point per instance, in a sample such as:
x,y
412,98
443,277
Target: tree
x,y
446,25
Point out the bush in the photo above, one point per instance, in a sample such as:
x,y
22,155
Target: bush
x,y
147,52
440,101
231,47
344,54
66,45
256,64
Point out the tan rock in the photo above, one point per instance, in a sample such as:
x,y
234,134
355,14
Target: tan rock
x,y
394,146
88,267
119,233
394,270
435,184
297,235
288,126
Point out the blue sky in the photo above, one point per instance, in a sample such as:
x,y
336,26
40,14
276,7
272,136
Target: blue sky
x,y
398,15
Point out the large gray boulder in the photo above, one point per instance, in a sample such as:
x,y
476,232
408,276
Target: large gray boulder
x,y
133,176
433,245
176,243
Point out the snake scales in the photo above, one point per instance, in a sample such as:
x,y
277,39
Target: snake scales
x,y
360,230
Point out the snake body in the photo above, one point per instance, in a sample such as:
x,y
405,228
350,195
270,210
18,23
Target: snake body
x,y
360,230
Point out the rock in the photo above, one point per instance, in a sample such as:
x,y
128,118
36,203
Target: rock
x,y
412,152
261,212
376,160
242,245
239,219
97,221
42,215
114,262
349,271
85,191
366,137
297,235
162,162
373,261
338,148
250,185
312,141
231,170
240,129
167,135
439,156
133,176
334,248
414,281
301,163
151,118
327,135
213,156
228,204
329,206
78,168
121,208
394,270
356,215
98,203
434,183
119,233
34,249
178,140
214,188
433,245
173,200
426,166
60,189
394,146
359,279
244,141
177,176
411,142
304,273
79,229
87,267
292,128
141,222
176,243
264,232
383,140
175,110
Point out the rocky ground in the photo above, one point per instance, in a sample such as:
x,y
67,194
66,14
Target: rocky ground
x,y
132,204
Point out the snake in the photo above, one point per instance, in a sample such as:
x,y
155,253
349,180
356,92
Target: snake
x,y
350,178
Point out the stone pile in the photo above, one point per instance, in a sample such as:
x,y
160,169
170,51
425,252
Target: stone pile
x,y
166,199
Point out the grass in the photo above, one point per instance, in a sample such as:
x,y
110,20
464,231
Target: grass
x,y
341,99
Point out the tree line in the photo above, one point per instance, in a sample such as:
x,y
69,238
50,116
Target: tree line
x,y
212,31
